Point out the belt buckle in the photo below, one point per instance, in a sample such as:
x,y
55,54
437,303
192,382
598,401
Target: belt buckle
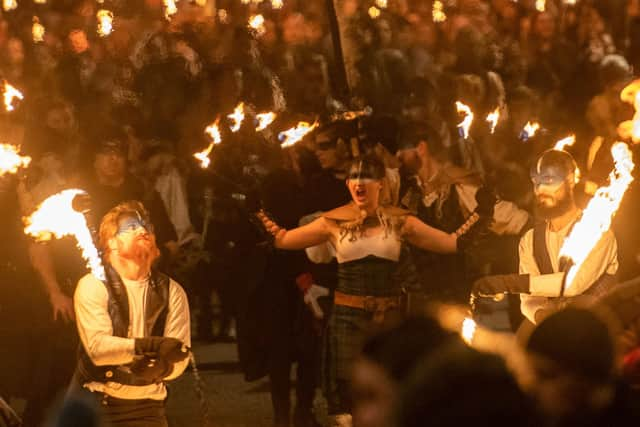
x,y
370,304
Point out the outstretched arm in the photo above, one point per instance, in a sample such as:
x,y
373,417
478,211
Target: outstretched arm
x,y
312,234
426,237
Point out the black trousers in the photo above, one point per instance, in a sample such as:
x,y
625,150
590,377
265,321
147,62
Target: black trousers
x,y
131,413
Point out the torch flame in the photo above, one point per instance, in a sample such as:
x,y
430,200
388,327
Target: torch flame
x,y
565,142
597,216
37,30
437,12
237,117
493,118
264,120
55,217
10,93
465,124
203,156
529,130
11,160
541,5
170,9
8,5
256,22
382,4
214,132
631,128
468,330
276,4
292,136
105,22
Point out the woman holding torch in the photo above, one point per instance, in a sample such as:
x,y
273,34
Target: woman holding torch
x,y
367,237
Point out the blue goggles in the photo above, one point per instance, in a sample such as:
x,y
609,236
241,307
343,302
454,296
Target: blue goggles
x,y
132,224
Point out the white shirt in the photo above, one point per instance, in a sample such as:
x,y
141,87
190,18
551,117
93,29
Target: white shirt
x,y
543,287
96,332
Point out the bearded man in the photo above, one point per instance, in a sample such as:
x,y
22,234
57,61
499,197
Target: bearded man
x,y
134,326
541,281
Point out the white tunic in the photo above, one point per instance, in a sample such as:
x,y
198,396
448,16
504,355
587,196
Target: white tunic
x,y
96,332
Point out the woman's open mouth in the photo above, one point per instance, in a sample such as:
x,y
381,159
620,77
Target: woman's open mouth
x,y
361,194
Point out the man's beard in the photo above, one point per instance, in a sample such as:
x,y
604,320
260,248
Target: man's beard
x,y
561,207
141,251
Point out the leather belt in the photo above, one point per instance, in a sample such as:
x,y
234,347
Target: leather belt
x,y
376,305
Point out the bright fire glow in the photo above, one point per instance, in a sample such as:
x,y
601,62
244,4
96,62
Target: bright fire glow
x,y
352,115
256,22
277,4
214,132
170,8
437,12
374,12
468,330
55,217
493,118
237,117
292,136
105,22
382,4
631,128
9,4
264,120
42,1
541,5
529,130
10,93
465,124
203,156
597,216
37,30
11,160
565,142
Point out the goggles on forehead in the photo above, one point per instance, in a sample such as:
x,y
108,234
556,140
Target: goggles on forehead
x,y
547,179
363,173
131,224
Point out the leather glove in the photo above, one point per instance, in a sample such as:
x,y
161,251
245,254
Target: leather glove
x,y
486,200
500,284
151,369
169,349
311,299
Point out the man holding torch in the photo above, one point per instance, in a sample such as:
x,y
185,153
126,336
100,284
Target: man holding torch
x,y
134,327
542,277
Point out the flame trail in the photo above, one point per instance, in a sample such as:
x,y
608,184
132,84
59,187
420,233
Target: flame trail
x,y
565,142
291,136
631,129
237,117
264,120
493,118
11,160
55,217
37,30
597,216
437,12
10,93
214,132
105,22
465,124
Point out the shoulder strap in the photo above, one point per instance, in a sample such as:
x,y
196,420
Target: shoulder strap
x,y
540,251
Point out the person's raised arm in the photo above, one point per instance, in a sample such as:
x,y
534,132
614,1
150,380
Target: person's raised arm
x,y
426,237
312,234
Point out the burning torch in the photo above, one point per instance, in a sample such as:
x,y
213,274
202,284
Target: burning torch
x,y
468,152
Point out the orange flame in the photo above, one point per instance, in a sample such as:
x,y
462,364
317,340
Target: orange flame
x,y
437,12
541,5
565,142
214,132
55,217
8,5
530,129
170,8
256,22
11,160
292,136
277,4
465,124
37,30
264,120
493,118
597,216
237,117
468,331
105,22
631,129
10,93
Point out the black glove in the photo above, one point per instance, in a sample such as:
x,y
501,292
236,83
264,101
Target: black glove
x,y
500,284
171,350
151,369
486,200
